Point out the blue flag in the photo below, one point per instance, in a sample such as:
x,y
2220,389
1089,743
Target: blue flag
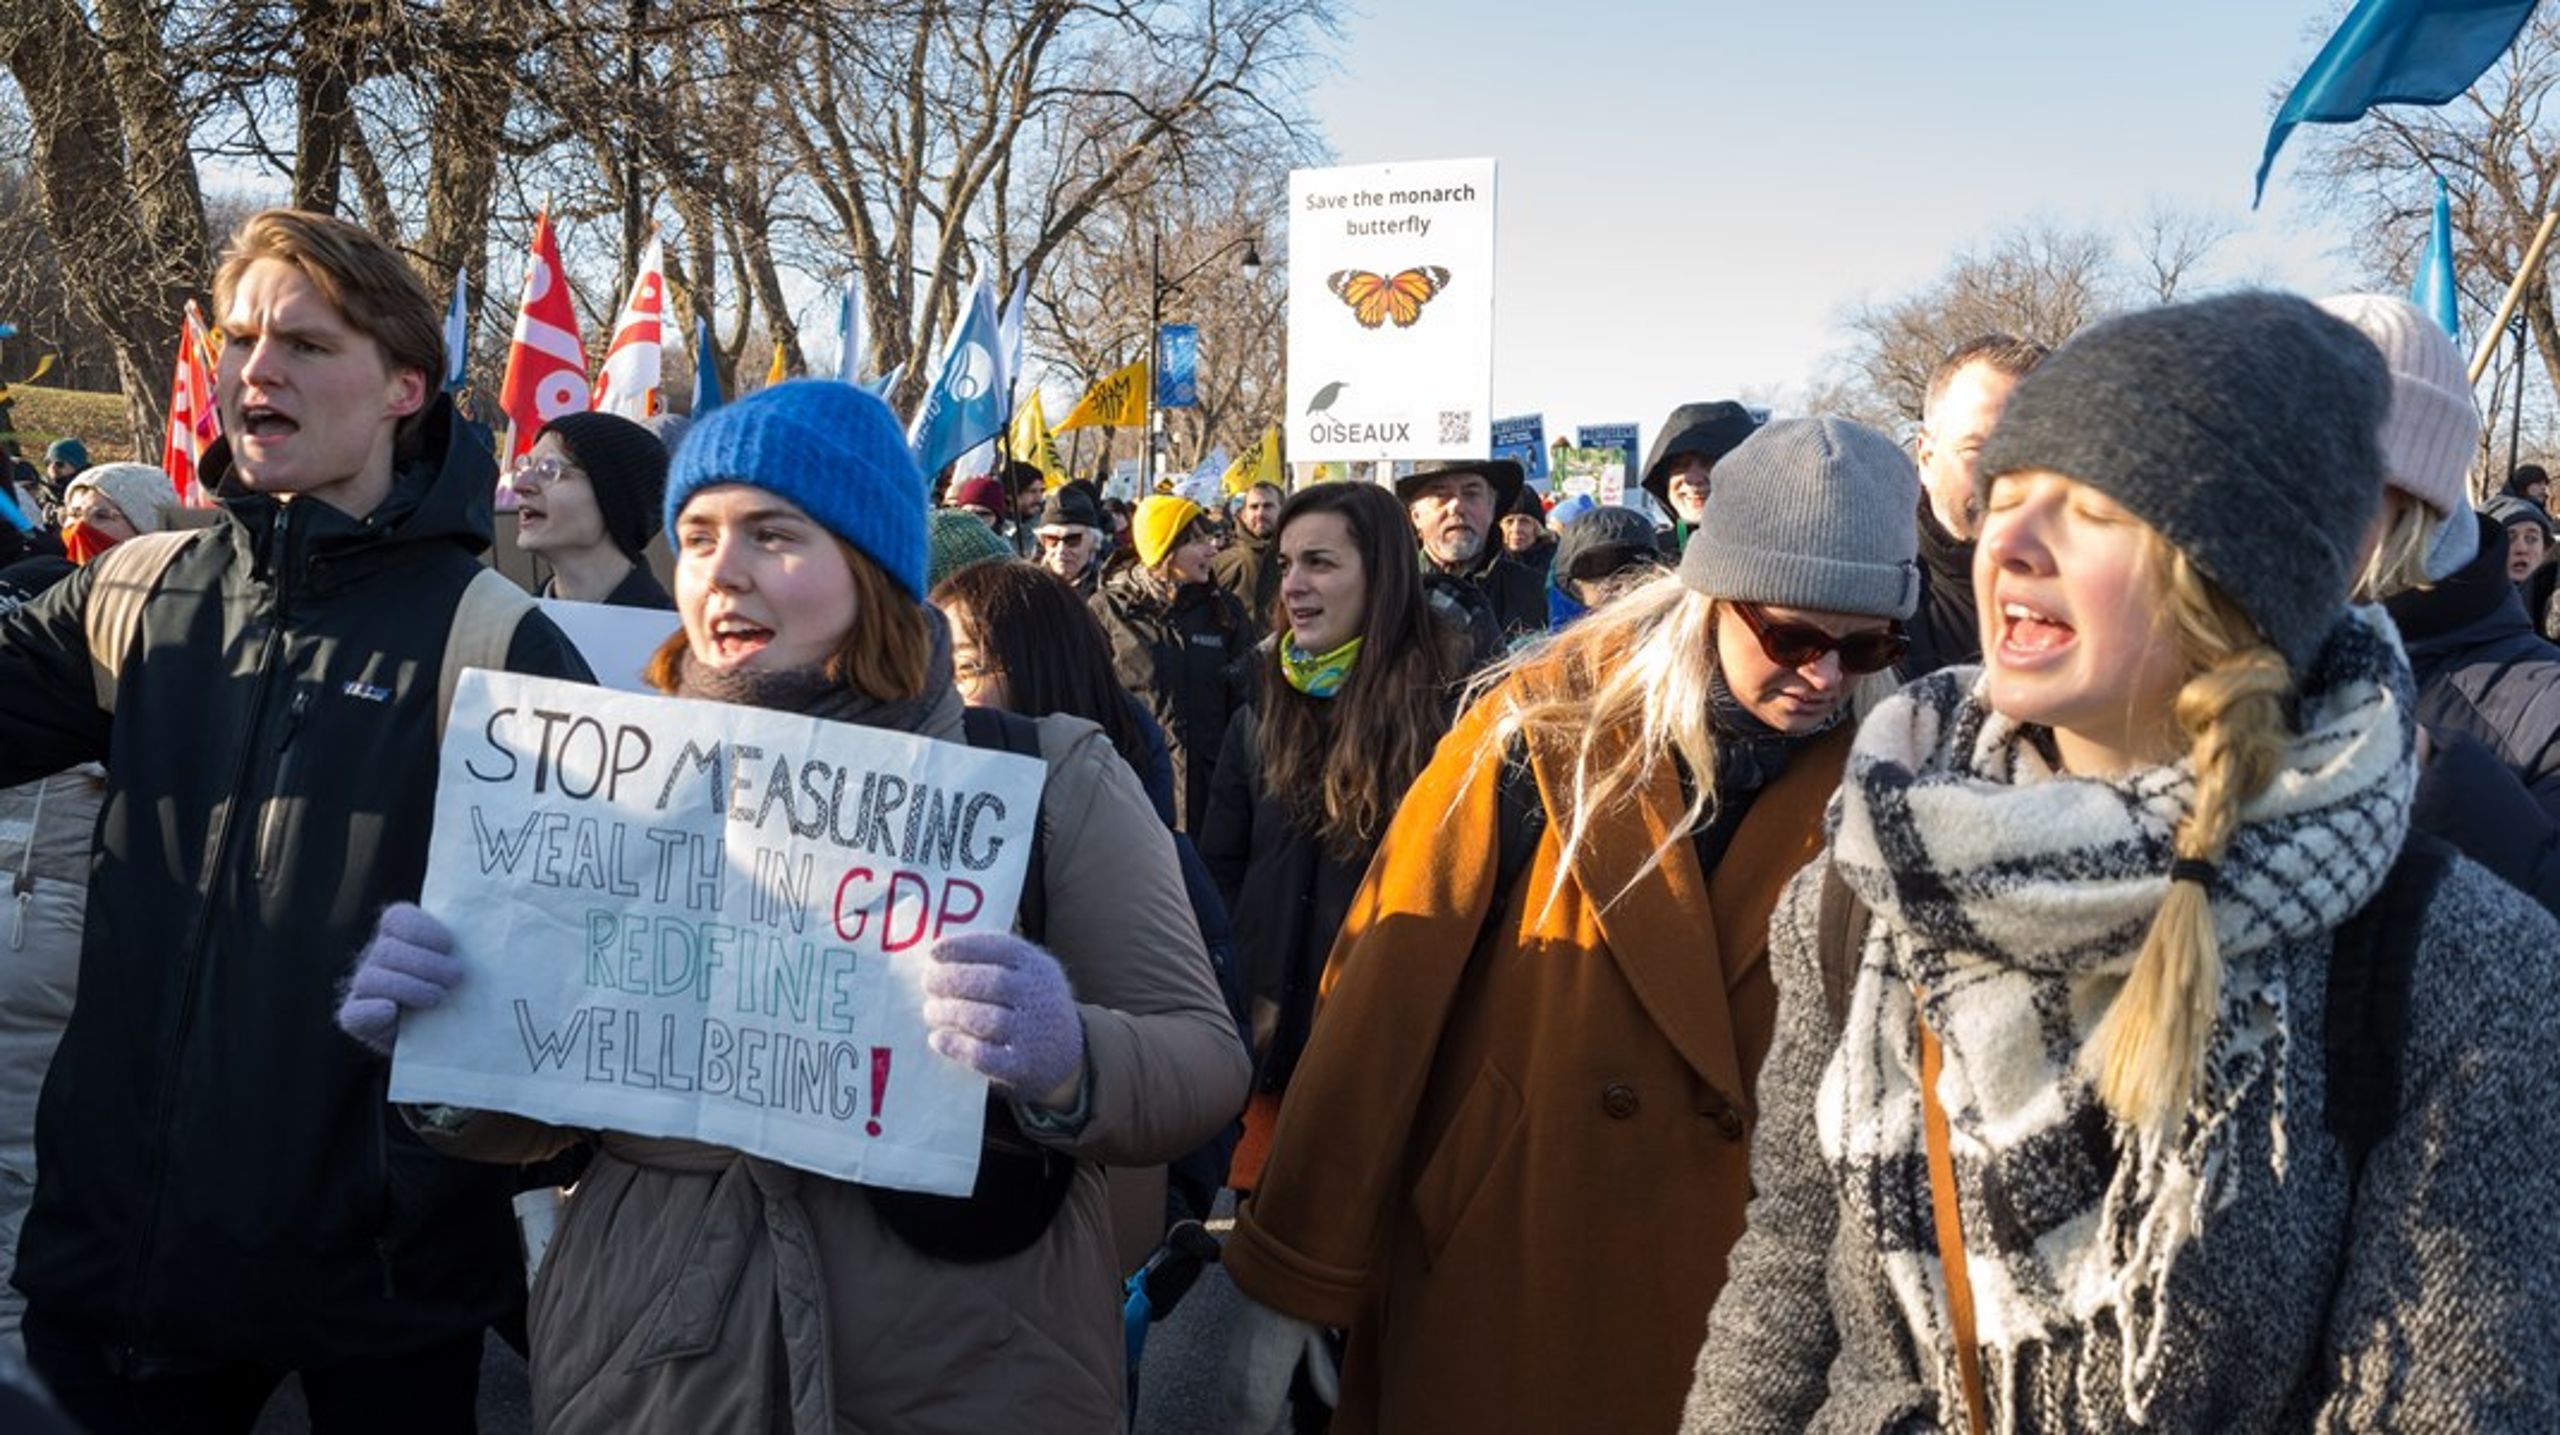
x,y
1177,366
457,333
706,368
2396,52
2435,290
966,406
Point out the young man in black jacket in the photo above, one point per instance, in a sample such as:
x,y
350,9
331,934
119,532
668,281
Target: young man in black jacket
x,y
1963,401
224,1194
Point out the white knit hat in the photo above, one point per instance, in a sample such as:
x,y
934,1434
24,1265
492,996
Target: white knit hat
x,y
2433,430
145,494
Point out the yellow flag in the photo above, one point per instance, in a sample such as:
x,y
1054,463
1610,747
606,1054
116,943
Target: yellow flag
x,y
1119,401
1259,463
776,373
1033,444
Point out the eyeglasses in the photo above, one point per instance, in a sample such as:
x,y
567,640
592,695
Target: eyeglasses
x,y
543,472
1799,645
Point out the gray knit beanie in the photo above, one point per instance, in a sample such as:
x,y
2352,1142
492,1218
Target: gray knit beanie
x,y
1816,513
2242,428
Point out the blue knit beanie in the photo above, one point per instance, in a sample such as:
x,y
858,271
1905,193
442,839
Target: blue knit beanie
x,y
829,447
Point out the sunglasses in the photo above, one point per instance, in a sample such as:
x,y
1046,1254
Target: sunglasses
x,y
1800,645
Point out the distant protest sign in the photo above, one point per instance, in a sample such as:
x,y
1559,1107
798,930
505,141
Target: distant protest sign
x,y
1599,474
1523,440
692,919
1621,437
1391,311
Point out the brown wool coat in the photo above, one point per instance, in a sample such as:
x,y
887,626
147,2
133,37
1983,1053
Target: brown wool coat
x,y
1515,1172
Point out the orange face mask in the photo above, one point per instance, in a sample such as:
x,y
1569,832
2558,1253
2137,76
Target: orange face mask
x,y
82,543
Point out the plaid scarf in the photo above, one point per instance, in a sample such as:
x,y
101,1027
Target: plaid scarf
x,y
2016,896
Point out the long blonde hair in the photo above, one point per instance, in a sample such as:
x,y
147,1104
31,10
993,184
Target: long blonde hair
x,y
1638,672
2398,562
2145,1051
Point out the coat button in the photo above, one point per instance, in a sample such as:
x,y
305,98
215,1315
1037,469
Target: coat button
x,y
1619,1100
1729,1124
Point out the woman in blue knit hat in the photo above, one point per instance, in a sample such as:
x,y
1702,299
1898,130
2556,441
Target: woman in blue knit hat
x,y
692,1287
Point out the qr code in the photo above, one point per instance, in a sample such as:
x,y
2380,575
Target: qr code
x,y
1457,426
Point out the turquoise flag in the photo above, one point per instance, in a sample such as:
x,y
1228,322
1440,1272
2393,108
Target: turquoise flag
x,y
2435,291
966,405
2395,52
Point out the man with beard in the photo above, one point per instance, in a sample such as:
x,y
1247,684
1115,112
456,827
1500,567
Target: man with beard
x,y
1248,568
1452,509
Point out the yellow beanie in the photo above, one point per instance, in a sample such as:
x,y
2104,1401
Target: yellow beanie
x,y
1158,525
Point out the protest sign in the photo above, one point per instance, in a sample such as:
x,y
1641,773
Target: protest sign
x,y
616,642
701,920
1523,440
1391,311
1595,473
1621,437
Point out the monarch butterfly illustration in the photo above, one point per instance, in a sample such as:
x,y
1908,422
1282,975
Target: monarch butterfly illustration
x,y
1374,298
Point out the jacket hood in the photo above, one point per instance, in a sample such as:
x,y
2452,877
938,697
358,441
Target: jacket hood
x,y
2477,602
1713,429
446,492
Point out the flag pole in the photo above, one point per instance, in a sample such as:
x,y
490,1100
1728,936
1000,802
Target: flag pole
x,y
2515,295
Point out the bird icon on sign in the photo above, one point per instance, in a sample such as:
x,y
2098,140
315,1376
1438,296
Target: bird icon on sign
x,y
1325,396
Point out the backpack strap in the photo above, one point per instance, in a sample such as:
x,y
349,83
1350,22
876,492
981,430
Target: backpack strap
x,y
484,627
1021,1184
1949,1221
122,580
1840,941
996,730
2367,1023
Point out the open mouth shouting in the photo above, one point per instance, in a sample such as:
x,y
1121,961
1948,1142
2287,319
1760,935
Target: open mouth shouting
x,y
2030,636
266,425
735,640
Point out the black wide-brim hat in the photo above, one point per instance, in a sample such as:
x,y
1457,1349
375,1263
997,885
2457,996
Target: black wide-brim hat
x,y
1502,473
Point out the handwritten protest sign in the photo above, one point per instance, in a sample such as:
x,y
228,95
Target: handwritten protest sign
x,y
692,919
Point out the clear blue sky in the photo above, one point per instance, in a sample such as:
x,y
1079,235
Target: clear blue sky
x,y
1691,195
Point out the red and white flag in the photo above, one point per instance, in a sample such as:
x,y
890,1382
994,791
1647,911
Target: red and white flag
x,y
193,423
546,361
629,385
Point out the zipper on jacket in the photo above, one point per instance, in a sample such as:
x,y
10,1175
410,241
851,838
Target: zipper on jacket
x,y
268,648
271,824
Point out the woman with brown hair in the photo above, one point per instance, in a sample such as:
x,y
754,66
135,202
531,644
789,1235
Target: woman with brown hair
x,y
1356,685
693,1287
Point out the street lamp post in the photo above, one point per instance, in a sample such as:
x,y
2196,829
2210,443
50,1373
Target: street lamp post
x,y
1157,287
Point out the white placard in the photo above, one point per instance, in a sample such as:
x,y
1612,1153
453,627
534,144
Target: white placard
x,y
1391,311
616,642
682,918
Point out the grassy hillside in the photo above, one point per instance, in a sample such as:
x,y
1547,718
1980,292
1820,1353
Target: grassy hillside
x,y
97,420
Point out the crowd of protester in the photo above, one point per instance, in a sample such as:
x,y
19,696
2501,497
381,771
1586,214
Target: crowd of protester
x,y
2036,924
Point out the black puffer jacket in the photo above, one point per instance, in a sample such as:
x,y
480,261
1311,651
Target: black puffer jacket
x,y
2489,695
1174,657
221,1176
1946,629
1513,592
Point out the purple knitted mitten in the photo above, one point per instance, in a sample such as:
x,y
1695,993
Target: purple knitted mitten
x,y
408,966
1000,1006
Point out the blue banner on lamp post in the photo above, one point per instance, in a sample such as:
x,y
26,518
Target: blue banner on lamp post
x,y
1178,366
